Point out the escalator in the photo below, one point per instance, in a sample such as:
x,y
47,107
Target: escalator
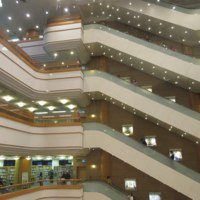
x,y
159,108
147,160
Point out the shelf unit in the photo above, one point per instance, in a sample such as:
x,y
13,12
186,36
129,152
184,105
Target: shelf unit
x,y
36,169
8,175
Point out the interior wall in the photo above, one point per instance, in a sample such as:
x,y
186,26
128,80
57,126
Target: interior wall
x,y
159,87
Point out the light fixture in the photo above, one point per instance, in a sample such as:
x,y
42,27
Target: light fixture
x,y
16,158
20,104
17,2
93,115
41,103
71,106
55,55
37,26
63,101
20,29
93,166
28,15
71,52
1,4
9,18
51,108
41,113
2,157
174,7
66,9
7,98
28,158
46,12
32,109
7,30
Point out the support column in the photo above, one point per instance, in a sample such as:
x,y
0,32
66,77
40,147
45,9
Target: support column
x,y
24,167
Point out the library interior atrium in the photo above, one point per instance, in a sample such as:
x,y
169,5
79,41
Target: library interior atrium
x,y
105,93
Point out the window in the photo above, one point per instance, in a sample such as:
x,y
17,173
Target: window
x,y
150,141
130,184
175,154
127,129
154,196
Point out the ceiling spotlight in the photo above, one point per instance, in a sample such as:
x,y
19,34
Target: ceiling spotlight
x,y
20,29
37,26
31,109
7,30
9,18
1,4
17,2
55,54
149,4
71,52
28,15
174,7
66,9
46,12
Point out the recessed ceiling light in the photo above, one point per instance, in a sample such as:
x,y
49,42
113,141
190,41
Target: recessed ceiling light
x,y
62,63
129,22
128,13
44,65
176,82
172,27
8,31
41,103
138,25
149,28
149,20
189,88
51,107
63,101
160,23
118,18
170,36
178,76
91,13
71,106
158,0
108,6
20,104
9,17
199,41
20,29
7,98
16,2
193,82
183,40
46,12
28,15
186,32
37,26
71,52
32,109
55,54
66,9
103,12
117,9
174,7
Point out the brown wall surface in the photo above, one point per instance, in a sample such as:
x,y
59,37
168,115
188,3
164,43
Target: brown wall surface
x,y
119,171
